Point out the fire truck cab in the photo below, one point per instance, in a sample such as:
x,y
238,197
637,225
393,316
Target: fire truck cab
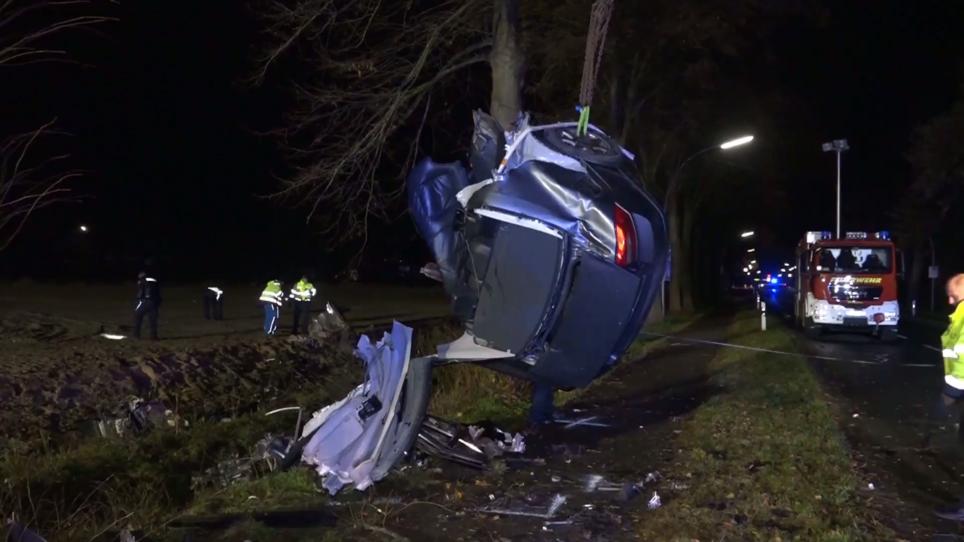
x,y
847,284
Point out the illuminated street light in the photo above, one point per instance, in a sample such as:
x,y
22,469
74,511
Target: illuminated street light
x,y
750,250
746,234
736,142
83,228
753,262
757,271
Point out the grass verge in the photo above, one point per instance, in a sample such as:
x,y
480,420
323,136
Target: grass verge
x,y
763,458
469,393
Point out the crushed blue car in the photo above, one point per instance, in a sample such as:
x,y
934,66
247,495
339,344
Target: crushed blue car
x,y
549,246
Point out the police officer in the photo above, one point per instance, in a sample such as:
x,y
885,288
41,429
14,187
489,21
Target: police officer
x,y
302,294
213,303
271,299
148,303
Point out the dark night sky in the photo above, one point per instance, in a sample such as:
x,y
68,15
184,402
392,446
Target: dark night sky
x,y
164,123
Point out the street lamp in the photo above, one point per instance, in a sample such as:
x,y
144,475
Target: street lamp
x,y
725,146
671,187
746,234
736,142
838,146
750,250
83,228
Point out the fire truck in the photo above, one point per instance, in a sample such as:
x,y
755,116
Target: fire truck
x,y
847,284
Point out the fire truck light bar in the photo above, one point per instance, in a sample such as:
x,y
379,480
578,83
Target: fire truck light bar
x,y
814,236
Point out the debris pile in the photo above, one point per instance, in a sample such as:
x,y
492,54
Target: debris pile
x,y
330,327
138,416
473,446
267,455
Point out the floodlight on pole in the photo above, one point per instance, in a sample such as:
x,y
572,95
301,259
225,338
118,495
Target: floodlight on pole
x,y
736,142
838,146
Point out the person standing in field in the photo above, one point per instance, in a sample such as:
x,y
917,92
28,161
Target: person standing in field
x,y
148,304
271,299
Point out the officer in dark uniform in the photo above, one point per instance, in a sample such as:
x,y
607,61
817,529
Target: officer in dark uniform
x,y
148,303
213,303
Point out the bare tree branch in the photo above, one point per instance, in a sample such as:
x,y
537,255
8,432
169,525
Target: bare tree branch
x,y
29,183
371,65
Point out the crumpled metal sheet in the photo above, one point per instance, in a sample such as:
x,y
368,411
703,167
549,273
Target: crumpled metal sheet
x,y
432,189
346,437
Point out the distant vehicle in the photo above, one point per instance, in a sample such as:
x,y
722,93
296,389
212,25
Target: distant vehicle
x,y
847,284
551,250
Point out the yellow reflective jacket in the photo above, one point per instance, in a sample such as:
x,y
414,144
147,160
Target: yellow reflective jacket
x,y
952,341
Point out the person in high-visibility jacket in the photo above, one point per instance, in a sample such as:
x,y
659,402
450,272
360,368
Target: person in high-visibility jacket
x,y
301,294
952,398
952,341
271,299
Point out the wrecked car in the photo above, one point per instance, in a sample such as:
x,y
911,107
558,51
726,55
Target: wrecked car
x,y
549,246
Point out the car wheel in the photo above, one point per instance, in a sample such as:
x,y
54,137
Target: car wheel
x,y
593,147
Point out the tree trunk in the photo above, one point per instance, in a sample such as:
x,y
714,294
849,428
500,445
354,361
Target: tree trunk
x,y
690,261
506,61
673,214
913,282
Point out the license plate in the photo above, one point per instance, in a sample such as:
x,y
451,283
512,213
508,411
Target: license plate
x,y
855,321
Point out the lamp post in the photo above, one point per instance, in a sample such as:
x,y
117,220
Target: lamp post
x,y
838,146
673,185
725,146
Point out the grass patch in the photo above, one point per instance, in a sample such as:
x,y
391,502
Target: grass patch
x,y
469,393
764,458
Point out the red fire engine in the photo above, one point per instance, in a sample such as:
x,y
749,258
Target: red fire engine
x,y
847,284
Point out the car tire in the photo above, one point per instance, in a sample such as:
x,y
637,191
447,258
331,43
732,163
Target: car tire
x,y
594,147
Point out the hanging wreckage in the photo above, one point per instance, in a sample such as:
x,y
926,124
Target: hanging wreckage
x,y
552,253
551,250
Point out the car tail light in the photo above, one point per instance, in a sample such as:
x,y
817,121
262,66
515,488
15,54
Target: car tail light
x,y
625,237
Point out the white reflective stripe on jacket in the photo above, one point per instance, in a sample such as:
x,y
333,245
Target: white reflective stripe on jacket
x,y
272,297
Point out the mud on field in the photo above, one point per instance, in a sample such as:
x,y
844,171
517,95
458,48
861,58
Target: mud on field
x,y
54,382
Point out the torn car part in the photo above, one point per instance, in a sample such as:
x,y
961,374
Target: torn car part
x,y
472,446
357,440
553,261
267,455
547,512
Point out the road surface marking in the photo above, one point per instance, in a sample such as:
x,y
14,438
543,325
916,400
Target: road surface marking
x,y
934,348
778,352
903,336
917,365
764,350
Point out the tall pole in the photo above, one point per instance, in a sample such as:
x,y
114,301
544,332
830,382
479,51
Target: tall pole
x,y
839,152
838,146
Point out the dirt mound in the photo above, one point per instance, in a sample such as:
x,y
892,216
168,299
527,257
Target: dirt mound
x,y
61,389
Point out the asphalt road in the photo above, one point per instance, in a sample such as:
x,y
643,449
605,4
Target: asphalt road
x,y
890,400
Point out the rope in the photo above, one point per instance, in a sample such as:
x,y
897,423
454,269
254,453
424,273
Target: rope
x,y
602,11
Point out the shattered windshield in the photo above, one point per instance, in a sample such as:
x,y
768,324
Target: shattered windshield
x,y
853,259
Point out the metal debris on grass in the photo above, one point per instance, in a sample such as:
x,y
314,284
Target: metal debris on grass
x,y
589,421
529,511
